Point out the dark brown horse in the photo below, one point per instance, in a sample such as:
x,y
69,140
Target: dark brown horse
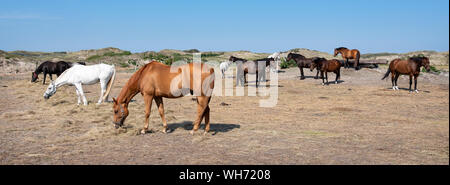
x,y
326,66
50,68
156,81
245,67
348,54
410,67
302,62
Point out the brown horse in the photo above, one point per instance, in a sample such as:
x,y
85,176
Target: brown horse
x,y
348,54
302,62
326,66
409,67
245,67
156,80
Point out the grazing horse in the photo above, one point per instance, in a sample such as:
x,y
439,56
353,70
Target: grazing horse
x,y
156,81
49,68
302,62
348,54
326,66
224,67
79,75
410,67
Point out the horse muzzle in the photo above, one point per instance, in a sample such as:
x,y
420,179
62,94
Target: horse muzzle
x,y
46,96
117,124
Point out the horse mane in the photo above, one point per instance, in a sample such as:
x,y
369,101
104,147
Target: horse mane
x,y
417,59
339,48
39,68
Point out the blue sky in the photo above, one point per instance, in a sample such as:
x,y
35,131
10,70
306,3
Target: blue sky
x,y
254,25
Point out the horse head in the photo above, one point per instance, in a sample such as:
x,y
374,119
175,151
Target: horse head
x,y
426,63
51,90
315,63
120,113
34,76
289,57
338,50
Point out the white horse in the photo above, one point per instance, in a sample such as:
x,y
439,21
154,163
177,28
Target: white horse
x,y
276,57
79,75
224,67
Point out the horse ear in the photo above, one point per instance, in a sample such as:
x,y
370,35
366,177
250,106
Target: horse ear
x,y
114,100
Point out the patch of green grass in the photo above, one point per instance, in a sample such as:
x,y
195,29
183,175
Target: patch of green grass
x,y
432,69
94,57
286,64
123,64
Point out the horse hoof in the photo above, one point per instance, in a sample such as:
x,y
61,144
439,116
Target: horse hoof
x,y
191,132
323,84
143,131
417,91
205,133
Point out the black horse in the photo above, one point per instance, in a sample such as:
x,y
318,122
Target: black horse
x,y
302,62
50,68
262,70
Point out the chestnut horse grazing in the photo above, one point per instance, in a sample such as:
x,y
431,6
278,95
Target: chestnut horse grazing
x,y
156,80
326,66
409,67
348,54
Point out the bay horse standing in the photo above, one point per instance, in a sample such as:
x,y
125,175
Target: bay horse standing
x,y
302,62
249,67
348,54
156,81
410,67
326,66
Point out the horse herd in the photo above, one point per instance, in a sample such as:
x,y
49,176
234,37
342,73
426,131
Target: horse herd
x,y
155,81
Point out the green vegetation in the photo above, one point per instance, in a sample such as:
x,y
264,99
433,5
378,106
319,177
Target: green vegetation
x,y
192,51
211,54
285,64
432,69
108,54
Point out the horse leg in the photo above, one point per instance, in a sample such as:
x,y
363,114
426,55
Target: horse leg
x,y
206,115
223,74
302,76
321,76
395,80
202,103
415,84
317,75
102,89
80,90
326,75
410,83
148,107
337,77
50,76
160,104
78,95
45,75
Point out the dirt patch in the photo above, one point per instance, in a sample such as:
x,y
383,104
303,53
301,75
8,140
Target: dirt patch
x,y
358,121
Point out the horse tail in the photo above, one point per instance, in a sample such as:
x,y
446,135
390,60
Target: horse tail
x,y
110,83
387,73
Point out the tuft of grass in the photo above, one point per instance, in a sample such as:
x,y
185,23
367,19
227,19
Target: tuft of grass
x,y
286,64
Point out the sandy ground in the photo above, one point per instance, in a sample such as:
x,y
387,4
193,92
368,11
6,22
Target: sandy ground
x,y
358,121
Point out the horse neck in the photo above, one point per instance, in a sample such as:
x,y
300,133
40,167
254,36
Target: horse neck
x,y
129,90
39,69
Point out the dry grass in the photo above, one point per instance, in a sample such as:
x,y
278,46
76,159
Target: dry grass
x,y
359,121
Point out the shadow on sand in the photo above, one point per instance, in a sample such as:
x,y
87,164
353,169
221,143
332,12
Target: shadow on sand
x,y
214,128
